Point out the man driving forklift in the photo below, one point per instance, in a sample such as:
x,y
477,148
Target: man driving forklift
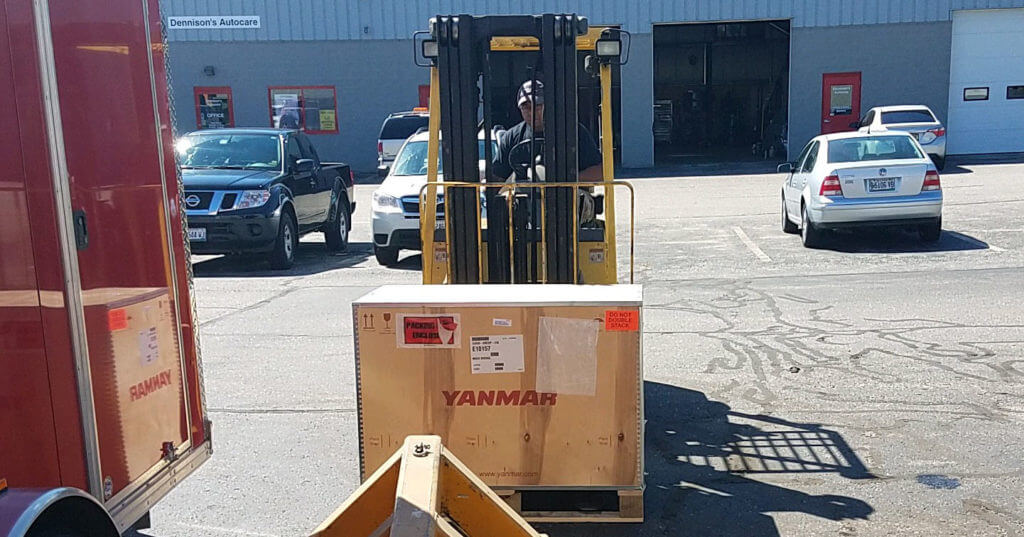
x,y
530,101
506,163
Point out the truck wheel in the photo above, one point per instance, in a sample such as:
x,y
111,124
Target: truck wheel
x,y
386,255
337,228
283,255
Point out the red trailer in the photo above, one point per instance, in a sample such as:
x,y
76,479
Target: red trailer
x,y
101,402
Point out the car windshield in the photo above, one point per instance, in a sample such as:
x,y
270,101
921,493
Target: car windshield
x,y
400,128
412,159
228,150
872,148
907,116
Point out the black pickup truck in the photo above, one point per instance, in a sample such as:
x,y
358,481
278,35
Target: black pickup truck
x,y
259,190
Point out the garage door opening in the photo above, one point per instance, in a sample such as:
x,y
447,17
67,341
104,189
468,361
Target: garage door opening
x,y
721,91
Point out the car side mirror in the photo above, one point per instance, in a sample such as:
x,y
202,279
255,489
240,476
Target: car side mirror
x,y
855,125
383,171
785,167
304,165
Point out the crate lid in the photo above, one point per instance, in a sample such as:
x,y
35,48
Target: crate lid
x,y
505,295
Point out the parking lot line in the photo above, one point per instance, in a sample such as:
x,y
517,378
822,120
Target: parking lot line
x,y
750,245
976,242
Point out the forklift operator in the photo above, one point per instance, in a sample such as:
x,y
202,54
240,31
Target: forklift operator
x,y
530,100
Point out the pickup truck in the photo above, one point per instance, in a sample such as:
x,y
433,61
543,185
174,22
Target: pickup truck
x,y
256,190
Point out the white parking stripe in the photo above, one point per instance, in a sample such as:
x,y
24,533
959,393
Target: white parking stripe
x,y
976,242
750,245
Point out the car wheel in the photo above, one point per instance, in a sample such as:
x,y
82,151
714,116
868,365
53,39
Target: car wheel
x,y
931,232
283,255
337,228
385,255
787,225
810,235
940,162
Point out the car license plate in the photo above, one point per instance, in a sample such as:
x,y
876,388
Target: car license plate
x,y
197,234
882,185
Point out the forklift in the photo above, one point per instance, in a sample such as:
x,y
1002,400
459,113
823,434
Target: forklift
x,y
480,229
516,395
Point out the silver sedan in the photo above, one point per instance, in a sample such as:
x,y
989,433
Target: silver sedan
x,y
857,179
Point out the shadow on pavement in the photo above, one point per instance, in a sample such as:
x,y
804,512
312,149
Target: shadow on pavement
x,y
310,258
412,262
896,240
702,461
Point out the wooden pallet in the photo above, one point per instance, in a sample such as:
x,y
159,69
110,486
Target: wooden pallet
x,y
553,506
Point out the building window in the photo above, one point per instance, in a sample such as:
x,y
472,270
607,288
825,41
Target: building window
x,y
213,108
1015,92
975,94
314,109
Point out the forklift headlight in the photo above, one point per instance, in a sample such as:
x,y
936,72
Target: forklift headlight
x,y
608,48
429,48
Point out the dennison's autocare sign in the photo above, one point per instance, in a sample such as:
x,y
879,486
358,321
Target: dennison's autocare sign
x,y
226,22
429,331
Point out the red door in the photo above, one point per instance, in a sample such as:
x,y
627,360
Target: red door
x,y
840,101
425,95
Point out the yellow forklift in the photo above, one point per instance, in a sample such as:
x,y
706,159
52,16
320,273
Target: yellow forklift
x,y
516,395
526,231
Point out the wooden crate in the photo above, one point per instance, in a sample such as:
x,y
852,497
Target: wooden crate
x,y
137,381
528,385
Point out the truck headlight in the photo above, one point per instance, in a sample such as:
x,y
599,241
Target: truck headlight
x,y
383,202
252,198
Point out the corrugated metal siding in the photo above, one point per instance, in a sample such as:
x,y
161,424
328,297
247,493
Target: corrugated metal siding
x,y
301,20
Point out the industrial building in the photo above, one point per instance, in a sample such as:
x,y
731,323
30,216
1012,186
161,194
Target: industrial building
x,y
706,80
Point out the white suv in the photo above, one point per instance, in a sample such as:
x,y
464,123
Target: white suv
x,y
396,205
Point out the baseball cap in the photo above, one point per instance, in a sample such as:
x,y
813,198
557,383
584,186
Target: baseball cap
x,y
529,92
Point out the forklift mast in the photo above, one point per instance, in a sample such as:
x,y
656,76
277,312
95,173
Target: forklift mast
x,y
464,65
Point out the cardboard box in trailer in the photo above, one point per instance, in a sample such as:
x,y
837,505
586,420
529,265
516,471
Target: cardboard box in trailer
x,y
100,379
531,386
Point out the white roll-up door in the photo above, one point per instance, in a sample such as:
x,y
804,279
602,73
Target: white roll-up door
x,y
986,82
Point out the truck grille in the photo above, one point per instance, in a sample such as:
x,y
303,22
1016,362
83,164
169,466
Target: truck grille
x,y
202,205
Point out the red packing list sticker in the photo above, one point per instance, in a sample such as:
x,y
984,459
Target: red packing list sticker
x,y
621,321
117,319
429,331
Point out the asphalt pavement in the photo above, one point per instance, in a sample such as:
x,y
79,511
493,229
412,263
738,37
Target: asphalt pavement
x,y
873,387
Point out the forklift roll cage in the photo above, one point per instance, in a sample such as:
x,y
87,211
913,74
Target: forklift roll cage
x,y
459,50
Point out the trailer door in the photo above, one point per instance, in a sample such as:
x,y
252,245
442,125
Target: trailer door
x,y
115,198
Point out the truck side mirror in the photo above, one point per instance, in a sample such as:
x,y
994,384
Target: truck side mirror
x,y
304,165
785,167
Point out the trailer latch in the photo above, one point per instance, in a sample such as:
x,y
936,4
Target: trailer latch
x,y
169,453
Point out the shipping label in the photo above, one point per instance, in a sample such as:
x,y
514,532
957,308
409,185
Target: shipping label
x,y
496,354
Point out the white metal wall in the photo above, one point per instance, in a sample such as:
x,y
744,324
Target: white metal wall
x,y
987,52
302,20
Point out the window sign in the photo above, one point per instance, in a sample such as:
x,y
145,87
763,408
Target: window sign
x,y
313,109
214,108
975,94
841,103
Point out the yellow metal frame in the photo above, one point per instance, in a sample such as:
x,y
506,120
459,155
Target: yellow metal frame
x,y
510,189
424,491
437,257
